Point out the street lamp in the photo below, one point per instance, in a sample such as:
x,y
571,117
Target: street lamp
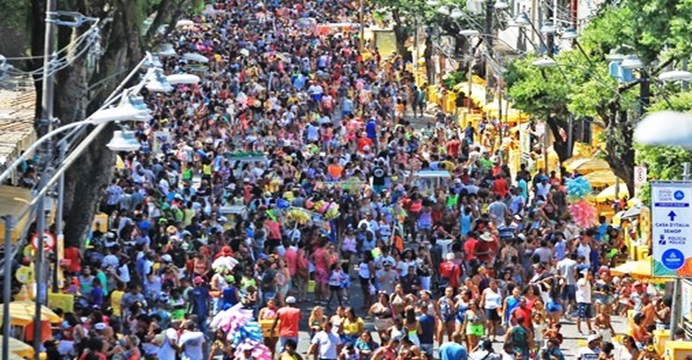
x,y
675,75
468,32
123,141
548,29
167,50
671,128
501,5
522,20
569,34
158,82
544,62
631,62
183,79
456,13
443,10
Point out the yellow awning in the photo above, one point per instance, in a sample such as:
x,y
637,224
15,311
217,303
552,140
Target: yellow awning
x,y
22,313
585,166
637,269
609,193
477,91
20,348
601,178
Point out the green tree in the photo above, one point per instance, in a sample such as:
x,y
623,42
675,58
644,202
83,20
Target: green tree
x,y
654,30
543,93
82,88
407,15
665,162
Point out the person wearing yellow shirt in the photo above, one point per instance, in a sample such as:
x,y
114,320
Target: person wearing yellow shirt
x,y
116,297
352,326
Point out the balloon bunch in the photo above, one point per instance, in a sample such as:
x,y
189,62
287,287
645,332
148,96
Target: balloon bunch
x,y
578,188
240,329
584,214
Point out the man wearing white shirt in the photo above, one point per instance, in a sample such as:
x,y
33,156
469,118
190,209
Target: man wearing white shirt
x,y
191,342
543,187
325,344
583,296
169,344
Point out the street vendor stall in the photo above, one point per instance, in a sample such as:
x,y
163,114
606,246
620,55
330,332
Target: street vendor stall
x,y
428,180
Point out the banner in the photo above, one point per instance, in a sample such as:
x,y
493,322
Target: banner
x,y
671,228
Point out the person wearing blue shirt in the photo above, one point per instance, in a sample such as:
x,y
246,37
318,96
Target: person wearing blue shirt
x,y
427,331
602,229
523,188
371,129
453,350
199,299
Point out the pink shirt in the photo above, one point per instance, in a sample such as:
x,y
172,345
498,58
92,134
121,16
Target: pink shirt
x,y
291,257
274,230
320,255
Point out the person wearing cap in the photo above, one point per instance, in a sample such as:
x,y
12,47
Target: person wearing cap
x,y
200,299
387,277
288,321
592,349
450,272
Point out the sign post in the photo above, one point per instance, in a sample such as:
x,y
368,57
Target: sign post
x,y
671,219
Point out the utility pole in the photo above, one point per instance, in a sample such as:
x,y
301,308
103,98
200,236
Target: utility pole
x,y
488,39
676,310
44,127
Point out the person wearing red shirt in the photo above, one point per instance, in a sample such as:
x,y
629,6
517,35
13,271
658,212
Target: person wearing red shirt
x,y
288,319
486,248
74,259
470,248
522,312
500,186
362,142
450,272
453,148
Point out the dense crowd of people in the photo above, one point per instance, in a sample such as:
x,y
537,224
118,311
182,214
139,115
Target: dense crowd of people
x,y
288,182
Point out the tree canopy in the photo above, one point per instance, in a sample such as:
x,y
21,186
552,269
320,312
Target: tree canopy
x,y
654,30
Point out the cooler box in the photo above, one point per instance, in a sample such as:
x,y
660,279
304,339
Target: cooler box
x,y
100,223
266,326
675,350
660,338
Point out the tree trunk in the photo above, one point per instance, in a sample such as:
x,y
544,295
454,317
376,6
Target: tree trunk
x,y
87,178
620,155
92,173
561,146
427,54
401,35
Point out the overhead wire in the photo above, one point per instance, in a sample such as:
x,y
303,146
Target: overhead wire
x,y
65,56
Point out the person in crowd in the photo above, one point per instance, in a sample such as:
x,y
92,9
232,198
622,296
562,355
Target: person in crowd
x,y
288,176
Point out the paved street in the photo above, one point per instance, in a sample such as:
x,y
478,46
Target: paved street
x,y
570,345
